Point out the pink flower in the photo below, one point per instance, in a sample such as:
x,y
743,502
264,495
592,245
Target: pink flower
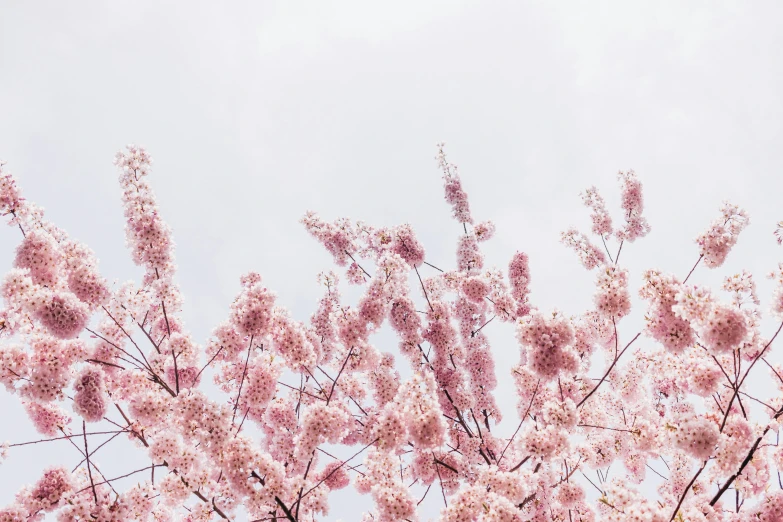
x,y
251,311
612,298
716,243
88,286
546,343
724,329
51,488
484,230
90,398
10,195
663,323
407,246
334,476
469,257
698,436
455,196
590,255
636,225
38,253
48,418
475,289
602,222
63,315
147,235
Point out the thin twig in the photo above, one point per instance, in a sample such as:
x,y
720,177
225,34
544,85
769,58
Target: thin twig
x,y
89,467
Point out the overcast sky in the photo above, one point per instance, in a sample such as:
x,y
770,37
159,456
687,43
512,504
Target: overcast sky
x,y
258,111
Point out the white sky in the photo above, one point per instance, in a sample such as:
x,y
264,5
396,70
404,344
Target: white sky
x,y
258,111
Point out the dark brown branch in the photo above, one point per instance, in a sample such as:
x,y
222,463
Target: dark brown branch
x,y
287,511
446,466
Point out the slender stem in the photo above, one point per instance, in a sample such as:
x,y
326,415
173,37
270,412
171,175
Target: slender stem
x,y
210,362
93,452
607,249
166,317
685,492
357,264
433,266
176,372
425,494
156,345
520,422
66,437
617,257
334,384
239,394
617,358
127,335
423,289
338,467
692,269
606,428
738,386
482,326
440,479
96,361
520,464
89,467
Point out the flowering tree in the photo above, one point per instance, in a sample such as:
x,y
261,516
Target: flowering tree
x,y
76,352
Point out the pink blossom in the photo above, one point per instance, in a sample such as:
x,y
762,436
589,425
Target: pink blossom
x,y
697,436
724,329
51,488
38,253
335,476
90,398
720,238
48,418
147,235
612,298
546,340
590,255
455,195
407,246
63,315
636,225
339,238
10,195
484,231
602,222
519,277
664,324
475,289
251,311
88,286
292,401
469,257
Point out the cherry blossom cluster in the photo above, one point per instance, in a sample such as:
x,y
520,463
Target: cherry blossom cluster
x,y
636,225
272,414
716,243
